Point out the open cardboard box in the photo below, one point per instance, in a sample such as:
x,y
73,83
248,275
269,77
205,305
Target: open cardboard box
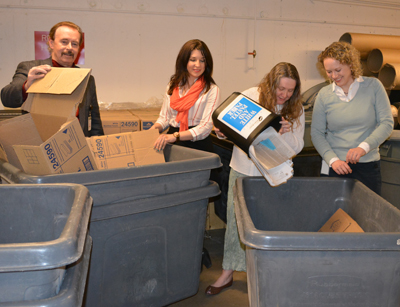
x,y
125,149
49,139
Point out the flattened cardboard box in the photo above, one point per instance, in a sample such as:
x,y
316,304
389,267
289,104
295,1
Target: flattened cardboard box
x,y
340,221
125,149
49,139
119,121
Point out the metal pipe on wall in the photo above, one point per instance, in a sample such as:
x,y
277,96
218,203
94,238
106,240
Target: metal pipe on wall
x,y
379,57
367,42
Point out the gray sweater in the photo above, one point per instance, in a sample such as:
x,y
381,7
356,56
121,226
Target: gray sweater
x,y
338,126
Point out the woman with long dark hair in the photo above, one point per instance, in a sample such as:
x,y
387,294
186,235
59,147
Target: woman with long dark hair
x,y
191,98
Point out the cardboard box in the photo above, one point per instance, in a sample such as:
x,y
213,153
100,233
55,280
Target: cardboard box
x,y
119,121
49,139
341,222
147,117
125,149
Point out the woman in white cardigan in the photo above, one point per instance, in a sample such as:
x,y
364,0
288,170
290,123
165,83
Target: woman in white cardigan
x,y
279,92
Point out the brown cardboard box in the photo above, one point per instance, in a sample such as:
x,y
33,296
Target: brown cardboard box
x,y
119,121
341,222
147,117
125,149
49,139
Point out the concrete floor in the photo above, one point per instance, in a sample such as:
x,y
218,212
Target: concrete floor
x,y
236,295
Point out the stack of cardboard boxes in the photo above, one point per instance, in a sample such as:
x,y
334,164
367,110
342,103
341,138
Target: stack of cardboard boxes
x,y
117,121
49,139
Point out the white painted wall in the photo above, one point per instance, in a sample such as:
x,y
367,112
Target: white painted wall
x,y
131,45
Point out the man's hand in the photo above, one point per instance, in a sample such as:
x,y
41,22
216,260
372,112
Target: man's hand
x,y
354,155
37,72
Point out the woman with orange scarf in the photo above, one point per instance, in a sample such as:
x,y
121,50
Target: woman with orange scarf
x,y
191,98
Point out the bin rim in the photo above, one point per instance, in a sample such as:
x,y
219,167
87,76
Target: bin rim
x,y
72,288
388,159
66,249
310,241
205,161
147,204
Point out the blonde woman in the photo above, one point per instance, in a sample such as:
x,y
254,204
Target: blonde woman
x,y
351,117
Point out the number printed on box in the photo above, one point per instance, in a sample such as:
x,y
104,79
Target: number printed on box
x,y
52,156
129,124
100,148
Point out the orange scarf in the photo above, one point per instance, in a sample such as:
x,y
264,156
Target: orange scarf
x,y
183,104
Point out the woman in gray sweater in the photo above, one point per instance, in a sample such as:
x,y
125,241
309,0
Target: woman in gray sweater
x,y
351,117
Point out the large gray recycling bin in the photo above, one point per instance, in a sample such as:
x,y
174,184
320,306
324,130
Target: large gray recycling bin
x,y
185,168
42,230
147,252
290,264
390,169
147,226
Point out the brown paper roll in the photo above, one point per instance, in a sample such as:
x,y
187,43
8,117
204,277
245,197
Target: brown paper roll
x,y
389,75
379,57
398,115
366,71
366,42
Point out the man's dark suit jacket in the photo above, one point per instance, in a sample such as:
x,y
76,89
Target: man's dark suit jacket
x,y
11,97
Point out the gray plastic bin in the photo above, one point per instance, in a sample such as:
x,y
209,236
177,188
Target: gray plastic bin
x,y
390,169
42,229
147,252
185,169
289,263
147,226
72,287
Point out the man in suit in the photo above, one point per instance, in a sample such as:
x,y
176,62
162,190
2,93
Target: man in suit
x,y
65,40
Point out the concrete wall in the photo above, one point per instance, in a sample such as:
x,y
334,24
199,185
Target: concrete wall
x,y
131,45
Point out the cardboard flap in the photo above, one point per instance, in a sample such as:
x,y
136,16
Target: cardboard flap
x,y
144,150
59,97
341,222
125,149
19,130
35,162
46,125
60,80
3,154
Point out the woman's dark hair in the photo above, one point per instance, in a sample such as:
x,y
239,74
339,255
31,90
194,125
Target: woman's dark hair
x,y
181,75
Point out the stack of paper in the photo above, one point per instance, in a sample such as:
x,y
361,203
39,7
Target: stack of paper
x,y
272,156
